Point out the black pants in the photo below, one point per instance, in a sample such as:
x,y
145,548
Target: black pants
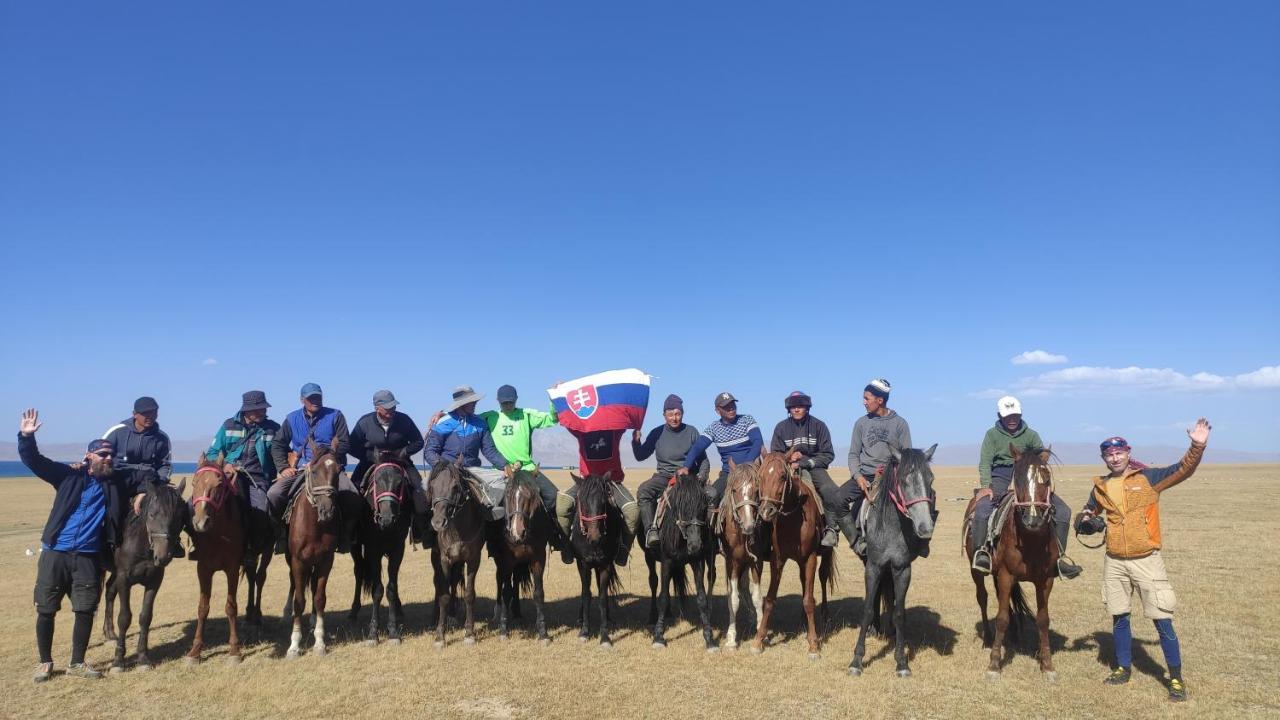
x,y
851,495
59,574
833,501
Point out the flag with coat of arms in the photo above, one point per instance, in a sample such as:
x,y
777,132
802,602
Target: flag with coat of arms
x,y
610,400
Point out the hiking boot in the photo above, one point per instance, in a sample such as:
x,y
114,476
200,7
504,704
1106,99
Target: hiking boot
x,y
982,560
43,672
830,536
1118,676
83,670
1067,569
497,512
651,538
1177,690
566,554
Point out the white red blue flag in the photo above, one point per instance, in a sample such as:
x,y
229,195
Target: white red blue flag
x,y
611,400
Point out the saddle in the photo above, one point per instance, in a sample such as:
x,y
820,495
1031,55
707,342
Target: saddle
x,y
998,516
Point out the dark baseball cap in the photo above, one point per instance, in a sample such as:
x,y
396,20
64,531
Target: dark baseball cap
x,y
506,393
145,404
309,390
725,399
384,399
99,444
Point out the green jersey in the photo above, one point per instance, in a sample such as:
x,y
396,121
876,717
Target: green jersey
x,y
513,432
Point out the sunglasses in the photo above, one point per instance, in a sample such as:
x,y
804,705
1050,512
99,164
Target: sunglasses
x,y
1115,442
104,454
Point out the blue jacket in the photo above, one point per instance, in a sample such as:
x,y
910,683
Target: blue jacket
x,y
328,427
234,437
68,484
137,450
464,436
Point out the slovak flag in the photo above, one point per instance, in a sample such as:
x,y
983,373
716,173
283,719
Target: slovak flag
x,y
611,400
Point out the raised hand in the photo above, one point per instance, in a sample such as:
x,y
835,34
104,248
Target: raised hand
x,y
1200,433
30,422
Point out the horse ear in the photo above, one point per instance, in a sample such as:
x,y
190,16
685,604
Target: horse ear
x,y
759,460
608,475
458,461
928,454
181,486
895,453
1045,455
732,465
1014,452
575,477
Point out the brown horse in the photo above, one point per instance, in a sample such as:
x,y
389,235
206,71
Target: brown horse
x,y
459,520
742,541
792,508
218,520
260,544
520,555
1025,552
313,537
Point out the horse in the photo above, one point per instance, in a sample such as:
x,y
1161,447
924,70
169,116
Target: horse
x,y
742,541
685,540
384,524
520,553
217,518
793,509
898,519
260,543
459,521
594,534
141,560
1026,551
313,537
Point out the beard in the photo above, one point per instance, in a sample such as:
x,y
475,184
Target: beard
x,y
100,468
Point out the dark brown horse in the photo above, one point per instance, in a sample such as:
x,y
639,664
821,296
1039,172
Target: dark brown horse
x,y
141,560
1025,552
459,520
742,541
384,524
792,508
685,541
596,530
520,554
217,517
313,537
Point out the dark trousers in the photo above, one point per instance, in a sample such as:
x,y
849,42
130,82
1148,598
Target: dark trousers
x,y
59,574
851,495
647,496
833,504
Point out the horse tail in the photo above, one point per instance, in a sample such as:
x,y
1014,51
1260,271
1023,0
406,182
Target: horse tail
x,y
522,579
679,582
1018,609
615,580
883,619
828,574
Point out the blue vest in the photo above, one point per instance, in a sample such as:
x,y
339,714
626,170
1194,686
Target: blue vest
x,y
321,432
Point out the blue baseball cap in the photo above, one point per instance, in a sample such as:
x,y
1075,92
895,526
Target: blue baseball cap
x,y
309,390
100,444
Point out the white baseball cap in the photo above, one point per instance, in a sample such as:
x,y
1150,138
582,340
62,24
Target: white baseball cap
x,y
1008,405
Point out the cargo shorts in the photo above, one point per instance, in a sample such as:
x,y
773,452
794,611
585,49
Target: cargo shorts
x,y
59,574
1121,577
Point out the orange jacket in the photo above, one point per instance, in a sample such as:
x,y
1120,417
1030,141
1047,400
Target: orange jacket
x,y
1132,504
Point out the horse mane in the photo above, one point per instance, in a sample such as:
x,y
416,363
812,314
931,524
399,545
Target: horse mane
x,y
593,489
687,502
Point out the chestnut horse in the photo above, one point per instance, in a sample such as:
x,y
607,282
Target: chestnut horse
x,y
792,508
1025,552
217,517
313,537
742,541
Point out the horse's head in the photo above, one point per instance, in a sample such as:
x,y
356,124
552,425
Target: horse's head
x,y
521,501
210,490
744,495
686,518
593,513
447,491
387,487
910,487
164,513
1032,487
775,483
322,481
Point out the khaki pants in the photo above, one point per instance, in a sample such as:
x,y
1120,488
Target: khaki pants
x,y
1147,575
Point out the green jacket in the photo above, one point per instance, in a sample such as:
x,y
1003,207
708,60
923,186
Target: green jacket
x,y
231,442
995,448
513,432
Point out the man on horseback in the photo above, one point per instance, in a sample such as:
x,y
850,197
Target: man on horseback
x,y
512,431
85,523
386,429
869,451
244,442
142,445
312,425
670,443
462,434
1126,504
995,472
807,443
735,436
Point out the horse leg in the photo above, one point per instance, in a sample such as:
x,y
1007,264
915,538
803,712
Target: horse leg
x,y
126,616
318,598
901,581
871,574
286,613
441,579
469,587
503,597
602,587
233,611
144,624
359,571
373,571
754,571
260,580
704,606
664,597
653,589
205,575
108,619
298,594
807,572
731,572
1042,624
980,585
775,577
536,568
394,612
584,623
1004,591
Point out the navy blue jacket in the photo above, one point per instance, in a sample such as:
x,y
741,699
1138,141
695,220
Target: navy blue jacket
x,y
455,436
69,483
138,450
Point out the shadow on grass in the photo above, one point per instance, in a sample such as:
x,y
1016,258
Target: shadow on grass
x,y
1104,643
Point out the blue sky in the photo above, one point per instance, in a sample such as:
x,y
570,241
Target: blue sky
x,y
196,201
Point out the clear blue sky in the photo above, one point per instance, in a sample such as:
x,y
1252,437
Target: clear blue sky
x,y
196,200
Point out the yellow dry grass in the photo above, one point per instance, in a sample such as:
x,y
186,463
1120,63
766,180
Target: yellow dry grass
x,y
1220,531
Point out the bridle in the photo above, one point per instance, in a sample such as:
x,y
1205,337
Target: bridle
x,y
744,486
152,536
1033,479
215,499
895,493
375,496
788,478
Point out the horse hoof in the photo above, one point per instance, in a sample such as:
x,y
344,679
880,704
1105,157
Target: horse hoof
x,y
993,674
855,671
319,651
606,644
583,638
904,673
659,644
144,667
731,646
712,649
115,669
291,655
371,643
814,656
393,641
191,661
546,642
468,641
233,659
1051,675
756,649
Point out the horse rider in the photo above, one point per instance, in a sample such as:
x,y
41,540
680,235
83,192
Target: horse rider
x,y
1126,504
735,436
995,473
670,444
142,445
386,429
85,524
869,452
460,433
312,425
244,442
807,443
512,430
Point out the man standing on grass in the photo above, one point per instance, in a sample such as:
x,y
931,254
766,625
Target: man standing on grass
x,y
1126,504
84,526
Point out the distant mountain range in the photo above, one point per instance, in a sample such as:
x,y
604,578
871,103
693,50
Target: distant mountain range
x,y
559,448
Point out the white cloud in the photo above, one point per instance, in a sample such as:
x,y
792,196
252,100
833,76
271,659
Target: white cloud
x,y
1037,357
210,361
1086,378
1264,377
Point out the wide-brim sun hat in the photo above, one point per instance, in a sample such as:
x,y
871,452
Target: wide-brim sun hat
x,y
462,395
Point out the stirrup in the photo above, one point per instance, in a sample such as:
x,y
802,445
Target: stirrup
x,y
830,537
651,538
981,561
